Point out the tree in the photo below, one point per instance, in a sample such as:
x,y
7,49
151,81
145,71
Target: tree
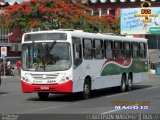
x,y
54,14
4,22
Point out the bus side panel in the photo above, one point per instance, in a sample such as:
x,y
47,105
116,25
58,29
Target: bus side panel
x,y
93,69
140,77
78,79
106,81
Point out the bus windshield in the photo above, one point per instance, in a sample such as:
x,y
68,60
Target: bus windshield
x,y
46,56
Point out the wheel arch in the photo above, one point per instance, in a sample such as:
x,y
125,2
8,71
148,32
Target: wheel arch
x,y
88,79
130,74
124,74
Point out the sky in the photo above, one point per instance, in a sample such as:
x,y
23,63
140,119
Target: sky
x,y
15,0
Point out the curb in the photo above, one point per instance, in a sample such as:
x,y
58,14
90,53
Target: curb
x,y
9,76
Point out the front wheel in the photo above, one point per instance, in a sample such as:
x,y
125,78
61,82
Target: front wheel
x,y
86,90
43,95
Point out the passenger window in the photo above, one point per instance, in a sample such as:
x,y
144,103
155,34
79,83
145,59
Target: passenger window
x,y
118,49
142,53
135,50
77,51
98,49
108,49
87,48
126,50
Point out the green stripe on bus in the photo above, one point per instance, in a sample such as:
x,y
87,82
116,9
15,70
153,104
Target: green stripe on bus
x,y
136,67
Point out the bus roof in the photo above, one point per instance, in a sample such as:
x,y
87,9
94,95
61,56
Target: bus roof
x,y
106,36
82,34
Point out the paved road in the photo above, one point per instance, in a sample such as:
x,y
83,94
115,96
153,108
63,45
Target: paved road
x,y
13,101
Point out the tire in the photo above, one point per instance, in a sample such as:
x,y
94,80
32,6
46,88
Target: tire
x,y
123,84
129,84
86,90
43,95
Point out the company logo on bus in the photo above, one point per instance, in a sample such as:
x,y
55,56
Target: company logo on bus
x,y
44,76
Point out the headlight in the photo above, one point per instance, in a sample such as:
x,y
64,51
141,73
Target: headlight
x,y
65,79
25,79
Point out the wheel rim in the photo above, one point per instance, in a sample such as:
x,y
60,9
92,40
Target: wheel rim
x,y
86,89
129,82
123,85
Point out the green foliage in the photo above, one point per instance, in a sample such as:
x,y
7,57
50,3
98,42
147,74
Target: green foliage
x,y
49,14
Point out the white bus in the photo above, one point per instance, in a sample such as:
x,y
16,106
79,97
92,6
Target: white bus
x,y
70,61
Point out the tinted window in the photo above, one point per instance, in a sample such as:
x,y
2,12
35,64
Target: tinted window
x,y
98,49
77,51
118,49
108,49
87,48
126,50
142,52
135,50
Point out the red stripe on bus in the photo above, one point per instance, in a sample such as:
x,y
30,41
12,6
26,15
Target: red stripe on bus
x,y
121,61
61,88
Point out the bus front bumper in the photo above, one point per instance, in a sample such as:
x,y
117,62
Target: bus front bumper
x,y
52,88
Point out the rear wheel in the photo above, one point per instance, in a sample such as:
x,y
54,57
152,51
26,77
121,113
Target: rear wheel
x,y
43,95
129,83
123,84
86,90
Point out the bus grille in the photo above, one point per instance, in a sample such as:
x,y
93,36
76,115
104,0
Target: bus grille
x,y
40,77
45,78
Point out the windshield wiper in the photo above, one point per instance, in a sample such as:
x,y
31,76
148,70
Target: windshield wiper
x,y
52,45
46,53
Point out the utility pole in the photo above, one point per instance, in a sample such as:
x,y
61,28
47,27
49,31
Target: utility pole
x,y
157,41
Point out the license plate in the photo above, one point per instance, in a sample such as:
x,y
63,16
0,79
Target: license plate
x,y
44,88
